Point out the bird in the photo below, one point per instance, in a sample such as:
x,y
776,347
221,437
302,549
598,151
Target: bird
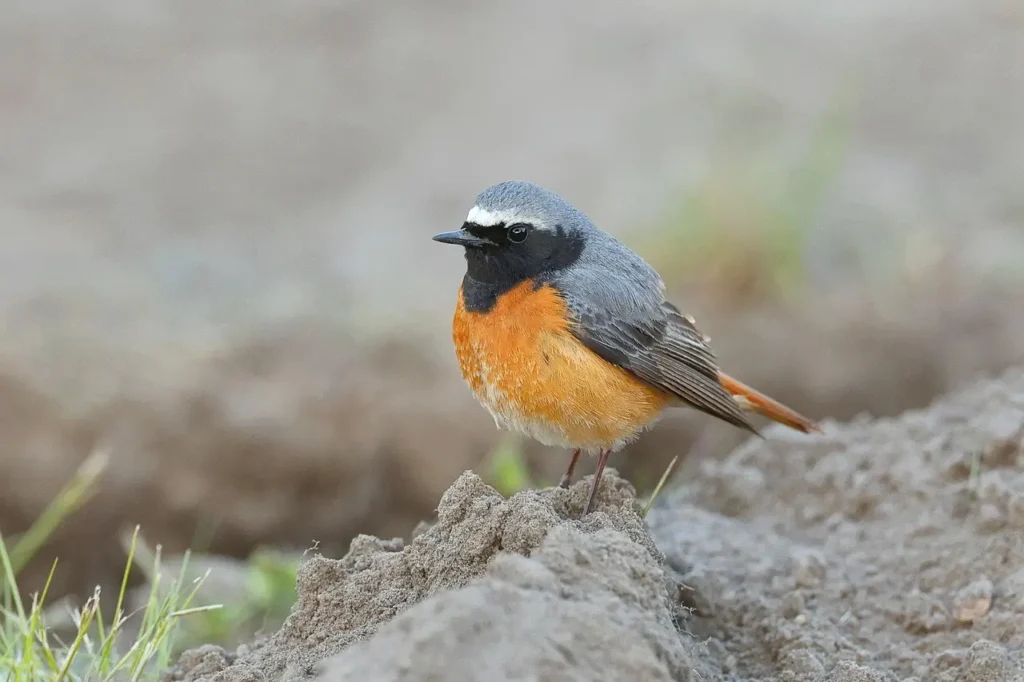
x,y
565,335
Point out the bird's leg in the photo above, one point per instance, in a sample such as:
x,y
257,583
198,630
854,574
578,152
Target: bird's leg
x,y
567,479
601,462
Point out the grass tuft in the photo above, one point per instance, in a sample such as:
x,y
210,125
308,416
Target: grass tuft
x,y
127,646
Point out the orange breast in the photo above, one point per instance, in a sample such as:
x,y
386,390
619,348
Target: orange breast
x,y
535,377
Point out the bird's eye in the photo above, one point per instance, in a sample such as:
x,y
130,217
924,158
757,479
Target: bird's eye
x,y
518,233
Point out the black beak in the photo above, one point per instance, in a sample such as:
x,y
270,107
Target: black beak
x,y
460,238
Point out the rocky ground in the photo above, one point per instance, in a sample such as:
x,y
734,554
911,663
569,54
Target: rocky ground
x,y
889,549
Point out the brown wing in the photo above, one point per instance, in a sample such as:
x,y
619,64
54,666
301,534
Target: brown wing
x,y
664,349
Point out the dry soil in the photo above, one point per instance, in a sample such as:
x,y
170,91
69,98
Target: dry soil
x,y
885,549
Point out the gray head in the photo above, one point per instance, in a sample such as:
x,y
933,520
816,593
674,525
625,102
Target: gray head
x,y
519,231
513,202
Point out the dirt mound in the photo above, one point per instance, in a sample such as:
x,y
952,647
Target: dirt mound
x,y
887,549
519,579
897,544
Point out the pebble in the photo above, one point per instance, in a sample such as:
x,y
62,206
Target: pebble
x,y
990,518
973,601
809,567
793,604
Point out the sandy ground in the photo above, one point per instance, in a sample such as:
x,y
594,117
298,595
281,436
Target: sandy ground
x,y
888,549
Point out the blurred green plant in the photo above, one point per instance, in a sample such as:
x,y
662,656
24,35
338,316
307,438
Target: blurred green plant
x,y
507,470
742,231
99,648
266,600
69,499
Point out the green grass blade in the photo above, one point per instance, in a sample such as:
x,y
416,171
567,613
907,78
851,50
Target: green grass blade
x,y
84,622
74,494
11,595
109,640
35,623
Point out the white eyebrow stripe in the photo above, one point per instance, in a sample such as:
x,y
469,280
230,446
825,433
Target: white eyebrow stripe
x,y
481,216
487,218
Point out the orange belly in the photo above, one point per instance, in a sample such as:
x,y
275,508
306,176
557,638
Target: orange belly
x,y
525,366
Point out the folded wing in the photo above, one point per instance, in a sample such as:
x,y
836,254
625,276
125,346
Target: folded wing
x,y
662,347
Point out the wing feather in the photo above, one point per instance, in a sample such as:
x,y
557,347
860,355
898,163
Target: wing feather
x,y
663,348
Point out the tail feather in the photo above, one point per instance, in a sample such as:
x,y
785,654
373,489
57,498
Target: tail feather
x,y
754,401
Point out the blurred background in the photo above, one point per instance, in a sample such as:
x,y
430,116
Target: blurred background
x,y
217,279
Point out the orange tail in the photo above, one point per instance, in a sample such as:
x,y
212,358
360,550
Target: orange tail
x,y
758,402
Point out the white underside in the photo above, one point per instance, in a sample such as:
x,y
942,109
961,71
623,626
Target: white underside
x,y
552,435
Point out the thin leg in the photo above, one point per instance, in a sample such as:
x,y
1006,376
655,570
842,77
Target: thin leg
x,y
567,479
601,462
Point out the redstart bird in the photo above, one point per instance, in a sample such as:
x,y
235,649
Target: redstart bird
x,y
564,334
